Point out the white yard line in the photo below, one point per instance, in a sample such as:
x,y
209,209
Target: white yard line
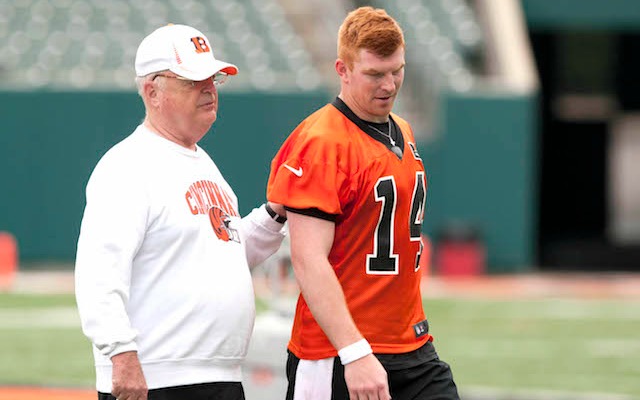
x,y
54,317
552,309
541,349
482,393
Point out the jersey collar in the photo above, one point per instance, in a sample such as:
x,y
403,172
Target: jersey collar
x,y
396,133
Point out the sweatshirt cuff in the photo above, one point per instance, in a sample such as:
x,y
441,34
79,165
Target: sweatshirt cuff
x,y
121,348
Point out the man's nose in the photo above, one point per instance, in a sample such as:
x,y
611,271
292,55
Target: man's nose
x,y
388,83
208,85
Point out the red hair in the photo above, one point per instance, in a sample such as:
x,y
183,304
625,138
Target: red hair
x,y
370,29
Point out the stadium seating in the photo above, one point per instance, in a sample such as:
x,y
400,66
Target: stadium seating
x,y
443,38
91,44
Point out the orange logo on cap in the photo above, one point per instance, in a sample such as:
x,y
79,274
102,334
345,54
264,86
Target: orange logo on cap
x,y
201,44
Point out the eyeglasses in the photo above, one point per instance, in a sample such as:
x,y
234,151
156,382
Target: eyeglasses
x,y
218,79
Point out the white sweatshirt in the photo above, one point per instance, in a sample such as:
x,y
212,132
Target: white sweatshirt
x,y
158,273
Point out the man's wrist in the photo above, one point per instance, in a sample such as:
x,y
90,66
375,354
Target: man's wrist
x,y
274,215
354,351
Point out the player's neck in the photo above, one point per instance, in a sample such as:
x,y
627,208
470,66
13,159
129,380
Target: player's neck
x,y
360,112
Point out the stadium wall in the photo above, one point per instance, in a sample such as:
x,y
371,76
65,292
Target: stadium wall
x,y
581,14
481,172
479,167
50,142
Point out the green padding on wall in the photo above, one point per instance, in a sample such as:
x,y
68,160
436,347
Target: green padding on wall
x,y
50,142
481,172
585,14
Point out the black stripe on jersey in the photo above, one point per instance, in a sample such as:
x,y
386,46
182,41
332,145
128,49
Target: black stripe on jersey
x,y
313,212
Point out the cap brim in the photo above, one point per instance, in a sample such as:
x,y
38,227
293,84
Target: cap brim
x,y
230,69
207,71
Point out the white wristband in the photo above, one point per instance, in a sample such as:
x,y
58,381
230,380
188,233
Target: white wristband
x,y
354,351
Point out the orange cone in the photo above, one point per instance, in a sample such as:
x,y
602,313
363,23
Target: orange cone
x,y
8,260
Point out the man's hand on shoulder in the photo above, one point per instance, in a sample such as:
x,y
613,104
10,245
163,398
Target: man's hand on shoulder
x,y
278,208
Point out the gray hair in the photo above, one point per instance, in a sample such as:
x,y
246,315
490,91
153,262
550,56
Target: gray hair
x,y
140,80
140,83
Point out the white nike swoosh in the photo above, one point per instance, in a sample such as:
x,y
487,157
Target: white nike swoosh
x,y
296,172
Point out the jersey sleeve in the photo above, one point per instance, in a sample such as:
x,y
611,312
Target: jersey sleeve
x,y
306,174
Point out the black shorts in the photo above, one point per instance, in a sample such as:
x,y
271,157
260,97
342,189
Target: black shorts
x,y
417,375
201,391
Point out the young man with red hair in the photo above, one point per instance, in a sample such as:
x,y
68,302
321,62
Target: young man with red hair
x,y
354,188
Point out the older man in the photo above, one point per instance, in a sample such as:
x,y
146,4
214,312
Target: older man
x,y
162,270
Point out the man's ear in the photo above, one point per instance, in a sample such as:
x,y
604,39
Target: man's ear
x,y
151,92
341,69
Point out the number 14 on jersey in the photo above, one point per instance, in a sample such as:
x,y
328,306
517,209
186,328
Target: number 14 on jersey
x,y
383,260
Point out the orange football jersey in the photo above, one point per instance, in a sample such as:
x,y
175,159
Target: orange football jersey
x,y
331,163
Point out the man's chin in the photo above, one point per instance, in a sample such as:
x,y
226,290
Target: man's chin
x,y
209,117
386,110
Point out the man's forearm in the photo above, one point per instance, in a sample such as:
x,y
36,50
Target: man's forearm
x,y
325,298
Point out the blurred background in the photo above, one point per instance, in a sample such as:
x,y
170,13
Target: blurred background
x,y
526,113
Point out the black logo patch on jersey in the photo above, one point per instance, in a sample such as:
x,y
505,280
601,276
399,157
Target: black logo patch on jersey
x,y
421,328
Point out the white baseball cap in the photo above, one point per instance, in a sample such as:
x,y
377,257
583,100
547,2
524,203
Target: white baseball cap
x,y
180,49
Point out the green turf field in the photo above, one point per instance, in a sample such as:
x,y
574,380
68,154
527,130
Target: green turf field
x,y
565,345
41,342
